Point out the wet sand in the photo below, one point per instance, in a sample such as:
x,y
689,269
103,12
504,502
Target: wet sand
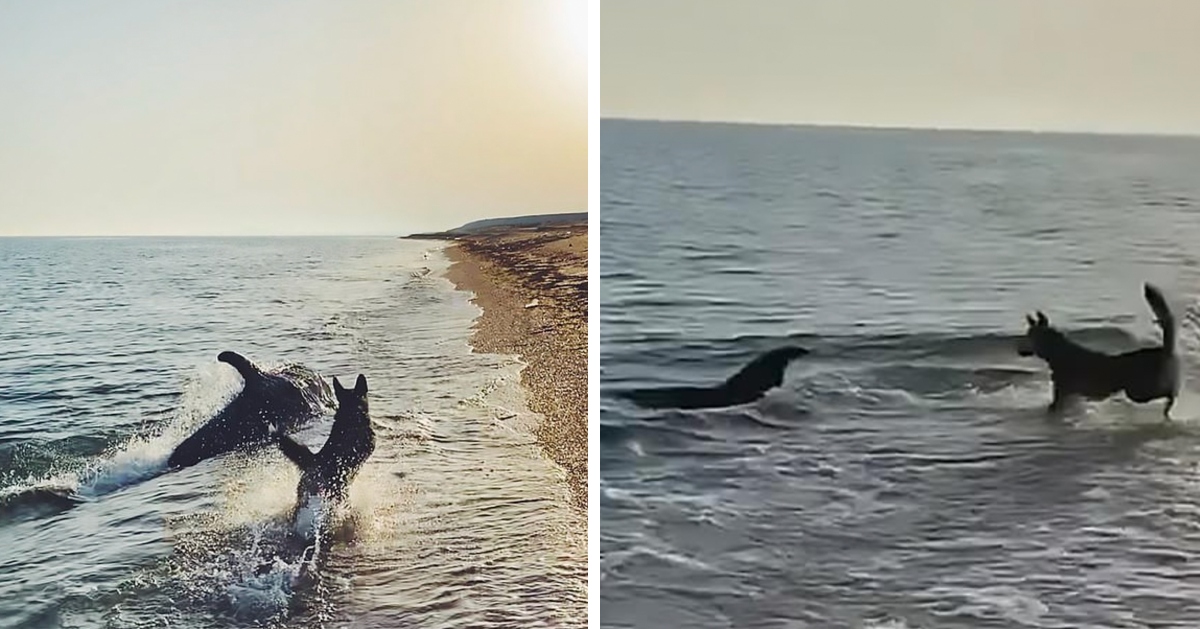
x,y
507,269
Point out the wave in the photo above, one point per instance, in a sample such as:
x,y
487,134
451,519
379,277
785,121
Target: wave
x,y
69,478
136,461
251,573
617,433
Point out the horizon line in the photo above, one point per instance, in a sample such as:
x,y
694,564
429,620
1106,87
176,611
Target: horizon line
x,y
389,235
865,126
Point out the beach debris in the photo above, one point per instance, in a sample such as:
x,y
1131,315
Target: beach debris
x,y
532,304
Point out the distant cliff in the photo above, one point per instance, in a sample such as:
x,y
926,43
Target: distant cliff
x,y
475,227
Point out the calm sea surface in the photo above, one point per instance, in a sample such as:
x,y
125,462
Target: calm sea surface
x,y
905,474
107,360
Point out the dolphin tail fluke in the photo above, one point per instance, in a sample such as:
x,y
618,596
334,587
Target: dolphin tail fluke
x,y
1162,312
300,455
243,365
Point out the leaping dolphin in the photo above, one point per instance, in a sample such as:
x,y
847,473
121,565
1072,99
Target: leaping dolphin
x,y
755,379
269,402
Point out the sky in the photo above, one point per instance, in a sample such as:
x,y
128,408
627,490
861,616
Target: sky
x,y
226,117
1117,66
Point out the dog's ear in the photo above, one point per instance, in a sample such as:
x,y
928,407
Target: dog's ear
x,y
1030,320
360,385
337,387
1042,320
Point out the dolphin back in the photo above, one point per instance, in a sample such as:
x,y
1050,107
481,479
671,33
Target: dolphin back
x,y
268,402
764,372
671,397
748,384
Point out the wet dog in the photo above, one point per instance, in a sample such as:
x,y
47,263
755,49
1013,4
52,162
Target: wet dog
x,y
1145,374
328,472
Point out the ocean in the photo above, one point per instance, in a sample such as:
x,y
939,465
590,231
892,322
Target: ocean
x,y
108,360
906,474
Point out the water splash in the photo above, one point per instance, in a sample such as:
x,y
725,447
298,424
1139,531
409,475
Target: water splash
x,y
142,456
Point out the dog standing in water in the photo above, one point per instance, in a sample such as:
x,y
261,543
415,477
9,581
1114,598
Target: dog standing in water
x,y
1145,374
327,474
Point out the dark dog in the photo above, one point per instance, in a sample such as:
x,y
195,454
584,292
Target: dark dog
x,y
747,385
269,401
1143,374
351,441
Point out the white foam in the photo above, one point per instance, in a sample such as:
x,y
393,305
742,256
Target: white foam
x,y
254,579
207,391
55,483
137,461
1023,395
677,558
261,589
1009,602
263,596
310,517
889,623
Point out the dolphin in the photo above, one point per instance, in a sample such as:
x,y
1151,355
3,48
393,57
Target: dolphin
x,y
755,379
270,401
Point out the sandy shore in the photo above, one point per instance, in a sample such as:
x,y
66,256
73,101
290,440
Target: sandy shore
x,y
507,269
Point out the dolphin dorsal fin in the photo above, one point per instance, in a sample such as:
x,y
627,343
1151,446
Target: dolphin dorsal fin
x,y
765,371
249,370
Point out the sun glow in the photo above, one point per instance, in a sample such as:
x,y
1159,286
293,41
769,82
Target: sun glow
x,y
571,24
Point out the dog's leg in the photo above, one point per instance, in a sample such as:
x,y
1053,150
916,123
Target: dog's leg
x,y
1167,408
1057,402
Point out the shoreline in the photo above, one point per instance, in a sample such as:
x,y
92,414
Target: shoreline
x,y
507,269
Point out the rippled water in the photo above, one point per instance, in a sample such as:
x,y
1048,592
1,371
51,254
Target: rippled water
x,y
107,359
905,474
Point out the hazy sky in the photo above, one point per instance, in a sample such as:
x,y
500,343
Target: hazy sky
x,y
288,116
1081,65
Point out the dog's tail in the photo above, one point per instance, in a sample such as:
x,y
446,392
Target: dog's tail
x,y
298,454
1162,314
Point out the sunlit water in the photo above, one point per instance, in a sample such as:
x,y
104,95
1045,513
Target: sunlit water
x,y
107,361
905,475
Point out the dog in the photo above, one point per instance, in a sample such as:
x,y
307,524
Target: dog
x,y
1144,375
328,472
